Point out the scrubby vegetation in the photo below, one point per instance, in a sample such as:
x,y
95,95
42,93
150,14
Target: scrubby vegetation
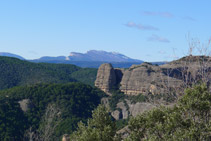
x,y
190,119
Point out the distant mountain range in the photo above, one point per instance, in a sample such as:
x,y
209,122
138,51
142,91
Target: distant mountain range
x,y
11,55
91,59
93,55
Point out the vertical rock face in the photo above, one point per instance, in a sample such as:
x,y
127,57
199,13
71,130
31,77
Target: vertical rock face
x,y
138,79
106,78
146,78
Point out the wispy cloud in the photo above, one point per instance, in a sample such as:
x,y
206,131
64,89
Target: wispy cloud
x,y
189,18
158,39
140,26
162,14
161,52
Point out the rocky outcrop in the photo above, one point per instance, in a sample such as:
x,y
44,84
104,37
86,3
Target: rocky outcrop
x,y
140,107
168,80
105,101
25,105
126,109
108,78
116,114
190,69
124,132
147,78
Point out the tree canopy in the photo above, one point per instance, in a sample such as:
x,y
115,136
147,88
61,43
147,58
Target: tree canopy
x,y
15,72
99,128
75,101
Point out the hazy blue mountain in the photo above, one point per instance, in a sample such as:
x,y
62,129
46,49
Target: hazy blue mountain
x,y
92,59
92,55
11,55
48,58
95,55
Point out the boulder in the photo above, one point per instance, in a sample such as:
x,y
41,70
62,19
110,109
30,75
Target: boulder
x,y
139,107
131,109
116,115
124,109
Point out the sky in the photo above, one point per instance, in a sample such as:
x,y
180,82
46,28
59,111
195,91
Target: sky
x,y
149,30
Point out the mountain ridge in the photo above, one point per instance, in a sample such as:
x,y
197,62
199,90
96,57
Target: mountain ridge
x,y
7,54
91,59
93,55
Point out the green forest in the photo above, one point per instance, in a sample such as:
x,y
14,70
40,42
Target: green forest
x,y
64,87
15,72
74,102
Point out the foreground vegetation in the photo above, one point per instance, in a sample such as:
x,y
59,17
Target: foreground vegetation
x,y
189,119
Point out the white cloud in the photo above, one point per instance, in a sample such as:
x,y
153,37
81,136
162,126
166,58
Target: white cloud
x,y
140,26
158,38
161,14
189,18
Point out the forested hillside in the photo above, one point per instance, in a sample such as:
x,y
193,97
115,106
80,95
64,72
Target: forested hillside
x,y
15,72
51,110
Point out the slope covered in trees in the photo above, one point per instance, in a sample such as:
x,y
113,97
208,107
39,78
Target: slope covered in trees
x,y
57,107
15,72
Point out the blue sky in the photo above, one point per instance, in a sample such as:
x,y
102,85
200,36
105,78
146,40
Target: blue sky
x,y
149,30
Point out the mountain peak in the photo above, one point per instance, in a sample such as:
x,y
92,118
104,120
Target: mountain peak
x,y
100,55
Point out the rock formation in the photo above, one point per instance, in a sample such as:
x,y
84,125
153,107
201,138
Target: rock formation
x,y
25,105
147,78
126,109
108,77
